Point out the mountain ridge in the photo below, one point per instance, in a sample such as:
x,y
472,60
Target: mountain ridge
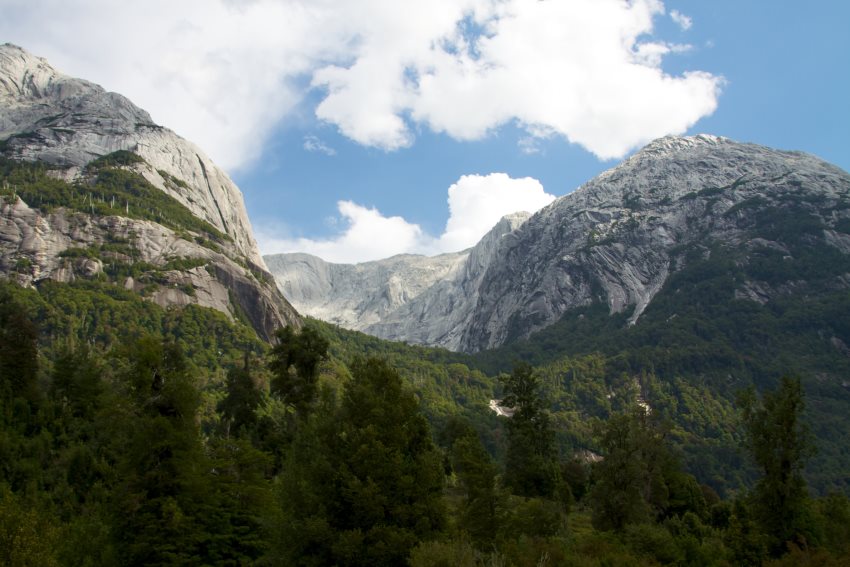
x,y
617,238
389,298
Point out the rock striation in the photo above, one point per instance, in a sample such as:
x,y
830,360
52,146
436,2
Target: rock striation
x,y
66,123
418,299
616,240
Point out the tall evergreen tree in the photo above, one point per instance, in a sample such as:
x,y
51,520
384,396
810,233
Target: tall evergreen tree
x,y
157,519
295,363
531,464
242,399
363,482
779,442
477,474
18,351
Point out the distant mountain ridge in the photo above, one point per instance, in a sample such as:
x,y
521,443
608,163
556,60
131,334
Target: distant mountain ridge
x,y
619,237
64,125
419,299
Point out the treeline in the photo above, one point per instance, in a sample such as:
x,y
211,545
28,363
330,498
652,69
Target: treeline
x,y
113,455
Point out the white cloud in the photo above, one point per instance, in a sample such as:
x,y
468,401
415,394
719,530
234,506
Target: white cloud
x,y
476,203
683,21
314,144
223,73
368,236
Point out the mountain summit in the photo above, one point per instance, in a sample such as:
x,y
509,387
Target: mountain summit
x,y
618,239
159,196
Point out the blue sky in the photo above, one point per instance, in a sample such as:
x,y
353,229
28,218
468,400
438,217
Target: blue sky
x,y
359,129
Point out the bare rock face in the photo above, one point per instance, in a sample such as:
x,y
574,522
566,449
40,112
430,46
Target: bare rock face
x,y
66,123
36,246
616,238
418,299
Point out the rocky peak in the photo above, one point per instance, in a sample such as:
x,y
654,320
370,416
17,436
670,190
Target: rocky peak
x,y
66,122
619,237
617,240
197,250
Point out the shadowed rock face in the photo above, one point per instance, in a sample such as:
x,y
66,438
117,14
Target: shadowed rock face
x,y
616,240
66,123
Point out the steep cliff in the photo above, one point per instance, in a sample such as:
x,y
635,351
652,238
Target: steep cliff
x,y
618,238
149,190
615,241
418,299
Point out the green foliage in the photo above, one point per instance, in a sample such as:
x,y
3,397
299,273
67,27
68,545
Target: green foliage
x,y
362,483
105,315
531,467
483,505
120,158
27,537
239,407
639,481
779,442
295,364
111,190
18,350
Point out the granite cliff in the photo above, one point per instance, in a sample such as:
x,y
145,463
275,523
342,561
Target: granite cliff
x,y
64,125
616,240
413,298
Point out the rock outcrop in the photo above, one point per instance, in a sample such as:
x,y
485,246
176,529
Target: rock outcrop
x,y
616,240
65,124
418,299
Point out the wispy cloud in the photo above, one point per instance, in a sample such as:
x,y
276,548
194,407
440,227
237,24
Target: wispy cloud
x,y
683,21
476,203
314,144
223,73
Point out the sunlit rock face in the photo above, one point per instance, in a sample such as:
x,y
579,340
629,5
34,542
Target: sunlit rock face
x,y
616,240
417,299
65,123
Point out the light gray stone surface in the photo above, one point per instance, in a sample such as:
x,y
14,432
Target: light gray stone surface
x,y
418,299
65,122
613,240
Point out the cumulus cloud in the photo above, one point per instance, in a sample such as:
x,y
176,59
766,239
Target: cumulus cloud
x,y
476,203
223,73
683,21
368,235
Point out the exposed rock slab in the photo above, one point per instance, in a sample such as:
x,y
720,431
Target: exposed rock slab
x,y
64,122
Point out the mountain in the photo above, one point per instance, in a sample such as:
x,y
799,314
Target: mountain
x,y
411,298
92,186
617,241
620,237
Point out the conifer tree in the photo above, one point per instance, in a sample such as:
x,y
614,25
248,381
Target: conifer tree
x,y
531,464
363,482
295,364
779,442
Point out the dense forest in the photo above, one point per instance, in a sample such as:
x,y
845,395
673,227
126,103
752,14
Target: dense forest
x,y
136,435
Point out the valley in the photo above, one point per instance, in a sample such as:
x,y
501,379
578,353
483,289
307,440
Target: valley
x,y
652,369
